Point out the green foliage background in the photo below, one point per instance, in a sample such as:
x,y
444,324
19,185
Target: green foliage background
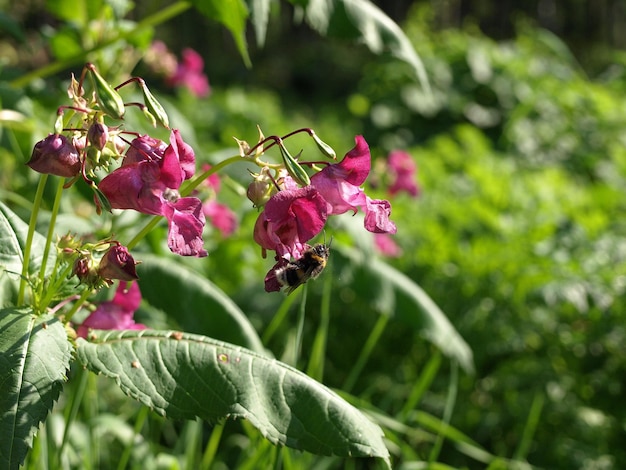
x,y
518,236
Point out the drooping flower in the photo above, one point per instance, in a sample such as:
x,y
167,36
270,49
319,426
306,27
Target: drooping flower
x,y
403,171
339,185
190,73
116,314
290,219
55,155
148,182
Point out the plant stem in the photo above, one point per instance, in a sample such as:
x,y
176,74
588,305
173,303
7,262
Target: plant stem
x,y
75,401
55,67
211,448
53,219
139,422
300,327
318,351
196,180
144,231
372,339
78,304
29,237
278,319
447,412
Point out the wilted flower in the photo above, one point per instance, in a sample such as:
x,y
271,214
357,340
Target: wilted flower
x,y
116,314
55,155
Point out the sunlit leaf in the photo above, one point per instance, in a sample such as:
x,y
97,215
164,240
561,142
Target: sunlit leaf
x,y
260,11
13,234
195,303
233,15
34,357
394,293
184,376
369,25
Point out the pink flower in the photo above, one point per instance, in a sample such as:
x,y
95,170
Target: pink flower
x,y
339,185
386,246
220,216
404,173
290,219
189,73
148,182
116,314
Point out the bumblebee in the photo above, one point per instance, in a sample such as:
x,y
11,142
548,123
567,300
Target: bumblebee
x,y
297,272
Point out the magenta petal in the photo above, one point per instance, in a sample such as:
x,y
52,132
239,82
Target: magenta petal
x,y
128,296
171,173
116,314
357,162
377,214
134,186
271,282
144,148
221,217
186,222
186,155
303,209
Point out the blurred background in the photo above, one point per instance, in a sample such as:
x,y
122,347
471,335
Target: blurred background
x,y
518,231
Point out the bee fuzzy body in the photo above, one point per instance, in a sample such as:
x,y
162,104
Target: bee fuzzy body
x,y
310,265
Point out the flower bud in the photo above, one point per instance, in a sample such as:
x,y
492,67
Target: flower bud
x,y
244,147
293,167
98,135
155,108
117,263
55,155
259,192
85,271
326,149
109,100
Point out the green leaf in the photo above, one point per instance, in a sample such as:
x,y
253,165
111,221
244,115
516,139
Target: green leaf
x,y
69,10
232,14
260,10
66,42
34,356
371,27
392,291
185,375
13,233
193,301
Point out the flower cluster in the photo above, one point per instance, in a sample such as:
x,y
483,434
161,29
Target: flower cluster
x,y
297,212
147,175
151,172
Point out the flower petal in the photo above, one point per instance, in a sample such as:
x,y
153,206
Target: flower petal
x,y
186,222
